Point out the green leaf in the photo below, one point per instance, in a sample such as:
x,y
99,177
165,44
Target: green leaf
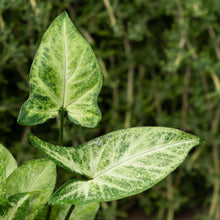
x,y
3,198
65,74
35,175
19,208
85,211
59,211
80,212
4,205
8,160
119,164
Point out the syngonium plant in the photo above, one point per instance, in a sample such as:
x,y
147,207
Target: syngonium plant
x,y
65,77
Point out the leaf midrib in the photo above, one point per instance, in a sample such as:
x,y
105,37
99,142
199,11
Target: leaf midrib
x,y
141,154
14,209
65,63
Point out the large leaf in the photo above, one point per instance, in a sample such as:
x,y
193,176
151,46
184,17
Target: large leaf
x,y
119,164
8,160
65,74
35,175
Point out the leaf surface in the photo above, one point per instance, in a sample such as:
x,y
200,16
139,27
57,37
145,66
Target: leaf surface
x,y
8,160
59,212
119,164
19,208
35,175
80,212
65,74
3,198
4,205
85,211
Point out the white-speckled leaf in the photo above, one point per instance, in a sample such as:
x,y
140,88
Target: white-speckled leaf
x,y
8,160
19,206
36,175
65,74
119,164
85,211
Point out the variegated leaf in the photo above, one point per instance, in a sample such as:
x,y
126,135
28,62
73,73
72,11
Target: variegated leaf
x,y
36,175
65,74
119,164
8,160
19,205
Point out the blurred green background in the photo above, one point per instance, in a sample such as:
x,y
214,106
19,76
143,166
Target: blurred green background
x,y
161,65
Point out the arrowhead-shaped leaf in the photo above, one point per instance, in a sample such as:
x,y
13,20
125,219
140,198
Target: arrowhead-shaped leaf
x,y
35,175
8,160
119,164
65,74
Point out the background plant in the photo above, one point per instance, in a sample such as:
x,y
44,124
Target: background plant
x,y
166,53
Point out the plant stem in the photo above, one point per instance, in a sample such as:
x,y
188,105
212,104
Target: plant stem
x,y
69,212
130,84
60,142
170,214
61,126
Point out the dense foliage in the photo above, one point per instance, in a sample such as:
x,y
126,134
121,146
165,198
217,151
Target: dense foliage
x,y
160,62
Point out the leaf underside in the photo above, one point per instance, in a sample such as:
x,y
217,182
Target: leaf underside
x,y
65,74
119,164
34,176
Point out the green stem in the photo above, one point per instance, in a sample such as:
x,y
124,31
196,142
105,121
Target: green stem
x,y
60,142
61,126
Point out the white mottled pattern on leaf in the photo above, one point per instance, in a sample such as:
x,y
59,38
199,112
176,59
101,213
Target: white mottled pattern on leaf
x,y
19,208
118,164
65,74
8,160
34,176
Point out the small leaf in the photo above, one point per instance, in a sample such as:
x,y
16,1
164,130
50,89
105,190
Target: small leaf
x,y
8,160
4,205
35,175
85,211
3,198
119,164
65,74
19,208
